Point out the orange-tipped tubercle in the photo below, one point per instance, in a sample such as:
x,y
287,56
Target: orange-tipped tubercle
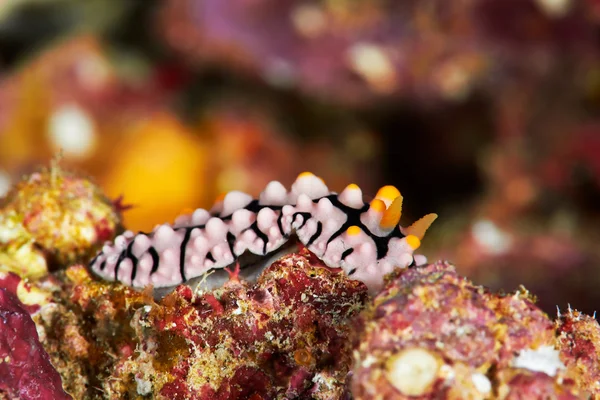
x,y
388,193
413,241
378,205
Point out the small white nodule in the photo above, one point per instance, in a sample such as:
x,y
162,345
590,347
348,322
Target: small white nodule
x,y
482,383
412,371
543,359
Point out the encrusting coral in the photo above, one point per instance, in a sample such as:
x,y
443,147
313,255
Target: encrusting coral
x,y
304,330
52,219
432,333
25,368
578,338
286,336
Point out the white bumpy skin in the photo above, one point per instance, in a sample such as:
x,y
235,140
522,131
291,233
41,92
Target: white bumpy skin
x,y
343,230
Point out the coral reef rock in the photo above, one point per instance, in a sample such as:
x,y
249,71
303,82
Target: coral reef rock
x,y
305,331
52,219
433,334
286,336
25,369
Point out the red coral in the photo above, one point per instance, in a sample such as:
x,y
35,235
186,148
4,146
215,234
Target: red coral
x,y
286,335
10,282
291,334
279,336
538,385
578,339
465,341
25,369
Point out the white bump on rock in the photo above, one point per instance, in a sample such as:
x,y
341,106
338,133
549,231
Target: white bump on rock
x,y
412,371
143,386
543,359
481,383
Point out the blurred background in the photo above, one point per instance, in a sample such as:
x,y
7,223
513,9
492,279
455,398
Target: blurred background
x,y
484,111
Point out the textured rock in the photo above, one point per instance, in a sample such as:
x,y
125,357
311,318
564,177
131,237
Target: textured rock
x,y
299,333
52,219
25,368
286,336
578,339
433,334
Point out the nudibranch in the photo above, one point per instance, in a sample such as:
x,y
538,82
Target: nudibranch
x,y
362,238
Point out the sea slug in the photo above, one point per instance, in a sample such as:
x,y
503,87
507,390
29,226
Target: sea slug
x,y
344,231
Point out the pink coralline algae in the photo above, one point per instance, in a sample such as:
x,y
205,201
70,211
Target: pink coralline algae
x,y
286,336
307,331
25,369
433,334
578,338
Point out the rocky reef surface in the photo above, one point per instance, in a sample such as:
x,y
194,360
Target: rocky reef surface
x,y
286,336
304,331
25,368
433,334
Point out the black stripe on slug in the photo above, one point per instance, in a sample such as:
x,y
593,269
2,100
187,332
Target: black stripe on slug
x,y
280,224
134,260
305,216
231,242
352,271
353,218
316,235
346,253
261,235
93,261
155,259
122,256
254,206
182,248
210,257
102,265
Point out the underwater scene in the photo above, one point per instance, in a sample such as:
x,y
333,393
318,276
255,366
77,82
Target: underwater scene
x,y
299,199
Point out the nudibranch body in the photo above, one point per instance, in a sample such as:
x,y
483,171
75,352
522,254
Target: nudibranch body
x,y
364,239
